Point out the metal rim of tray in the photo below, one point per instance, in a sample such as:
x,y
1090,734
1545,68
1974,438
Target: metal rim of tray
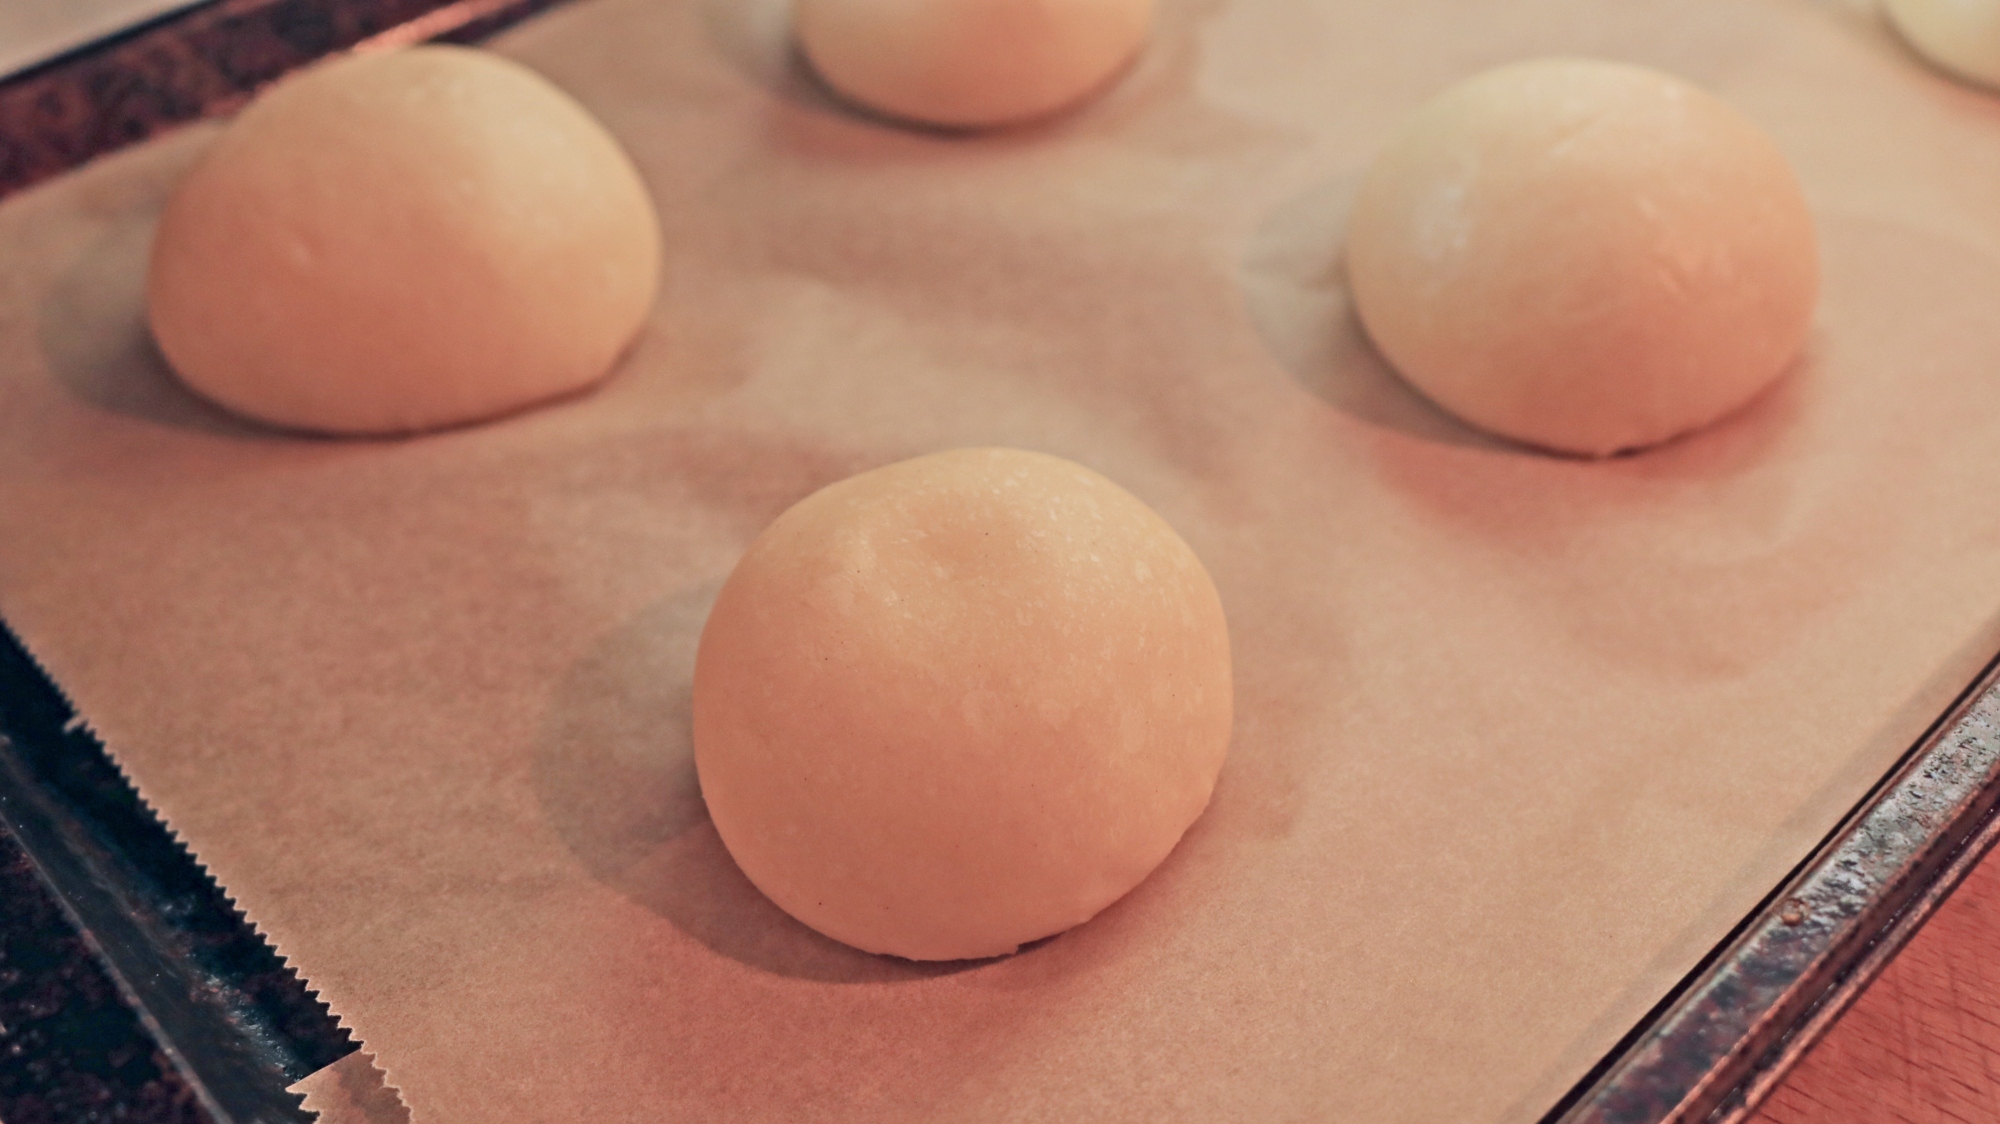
x,y
1729,1032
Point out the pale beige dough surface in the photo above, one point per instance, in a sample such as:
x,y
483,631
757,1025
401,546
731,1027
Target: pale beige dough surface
x,y
960,703
1960,36
1583,255
1517,737
971,63
403,241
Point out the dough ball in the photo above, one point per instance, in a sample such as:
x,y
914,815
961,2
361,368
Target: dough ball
x,y
960,703
970,63
1583,256
397,242
1959,36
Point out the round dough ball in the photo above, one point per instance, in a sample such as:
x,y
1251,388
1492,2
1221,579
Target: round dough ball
x,y
1584,256
970,63
960,703
1959,36
397,242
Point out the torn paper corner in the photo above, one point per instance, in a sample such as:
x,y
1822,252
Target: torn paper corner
x,y
160,879
353,1090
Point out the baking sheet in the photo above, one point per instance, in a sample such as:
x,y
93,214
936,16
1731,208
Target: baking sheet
x,y
1518,738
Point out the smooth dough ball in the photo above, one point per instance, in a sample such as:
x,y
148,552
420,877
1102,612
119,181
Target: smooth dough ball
x,y
960,703
1960,36
396,242
1584,256
970,63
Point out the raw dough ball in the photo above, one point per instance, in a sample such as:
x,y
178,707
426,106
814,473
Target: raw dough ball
x,y
1584,256
970,63
396,242
959,703
1961,36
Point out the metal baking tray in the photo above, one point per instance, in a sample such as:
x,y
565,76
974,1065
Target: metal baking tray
x,y
131,987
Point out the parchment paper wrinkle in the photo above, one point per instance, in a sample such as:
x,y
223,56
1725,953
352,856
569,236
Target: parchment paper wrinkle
x,y
1519,737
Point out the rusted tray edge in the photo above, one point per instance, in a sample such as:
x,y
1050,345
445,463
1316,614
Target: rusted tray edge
x,y
1727,1035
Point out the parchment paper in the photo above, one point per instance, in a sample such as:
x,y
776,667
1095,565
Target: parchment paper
x,y
352,1091
1518,737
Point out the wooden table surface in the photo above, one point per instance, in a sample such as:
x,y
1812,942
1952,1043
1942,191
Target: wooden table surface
x,y
1922,1044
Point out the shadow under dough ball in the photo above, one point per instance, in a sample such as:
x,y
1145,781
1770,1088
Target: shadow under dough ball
x,y
399,242
1584,256
953,705
970,63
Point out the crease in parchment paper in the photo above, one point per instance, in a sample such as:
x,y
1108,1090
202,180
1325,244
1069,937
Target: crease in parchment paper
x,y
1518,737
